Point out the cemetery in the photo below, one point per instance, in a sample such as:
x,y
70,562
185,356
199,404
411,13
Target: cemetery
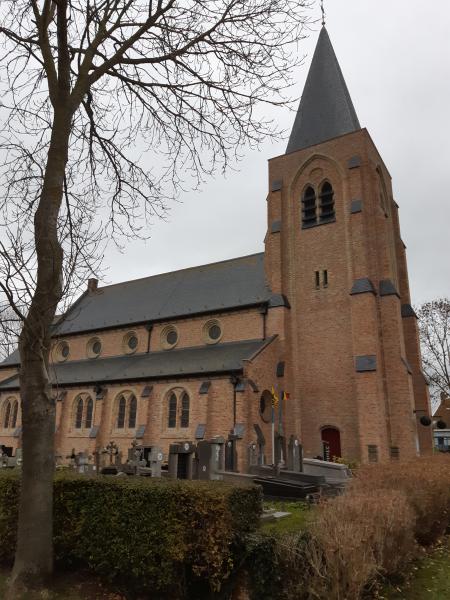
x,y
209,460
151,526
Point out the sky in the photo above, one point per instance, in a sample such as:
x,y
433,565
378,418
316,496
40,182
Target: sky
x,y
395,56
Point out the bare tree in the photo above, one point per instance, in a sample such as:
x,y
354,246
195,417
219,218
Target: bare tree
x,y
434,329
10,326
88,83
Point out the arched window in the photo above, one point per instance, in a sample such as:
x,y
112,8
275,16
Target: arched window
x,y
178,408
132,412
15,410
83,411
172,420
79,414
184,421
89,411
309,214
121,412
327,212
7,415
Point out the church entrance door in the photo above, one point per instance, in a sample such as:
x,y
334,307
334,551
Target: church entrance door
x,y
332,437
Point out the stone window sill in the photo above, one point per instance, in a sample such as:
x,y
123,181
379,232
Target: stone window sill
x,y
312,225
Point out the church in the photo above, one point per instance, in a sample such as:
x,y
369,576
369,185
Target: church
x,y
315,337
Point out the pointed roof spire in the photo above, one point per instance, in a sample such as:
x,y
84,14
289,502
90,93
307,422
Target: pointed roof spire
x,y
326,109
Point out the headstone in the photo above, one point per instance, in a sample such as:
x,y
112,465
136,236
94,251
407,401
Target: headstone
x,y
181,460
252,455
209,453
261,445
231,454
295,455
155,459
82,462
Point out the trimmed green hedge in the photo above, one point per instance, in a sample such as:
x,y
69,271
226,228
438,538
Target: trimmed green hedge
x,y
167,538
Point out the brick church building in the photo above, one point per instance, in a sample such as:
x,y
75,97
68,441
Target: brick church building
x,y
322,317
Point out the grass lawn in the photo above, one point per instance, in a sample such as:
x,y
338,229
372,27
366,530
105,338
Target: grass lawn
x,y
429,578
301,514
73,586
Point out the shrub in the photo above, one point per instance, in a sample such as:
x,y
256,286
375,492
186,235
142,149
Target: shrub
x,y
356,538
278,566
372,530
161,537
425,482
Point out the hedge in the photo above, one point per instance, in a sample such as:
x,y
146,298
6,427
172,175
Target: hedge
x,y
173,539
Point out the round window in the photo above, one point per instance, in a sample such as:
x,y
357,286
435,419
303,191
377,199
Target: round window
x,y
212,331
94,347
169,337
132,342
62,351
215,332
172,337
265,406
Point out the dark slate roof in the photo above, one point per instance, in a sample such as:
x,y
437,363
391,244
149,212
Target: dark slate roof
x,y
218,286
221,358
12,359
326,110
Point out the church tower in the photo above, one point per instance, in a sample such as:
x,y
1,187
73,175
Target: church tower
x,y
333,249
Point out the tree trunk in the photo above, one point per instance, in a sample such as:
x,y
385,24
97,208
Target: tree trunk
x,y
34,552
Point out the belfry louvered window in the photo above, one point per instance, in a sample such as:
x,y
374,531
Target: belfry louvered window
x,y
309,212
326,203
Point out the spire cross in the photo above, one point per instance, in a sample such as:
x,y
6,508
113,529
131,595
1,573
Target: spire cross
x,y
323,12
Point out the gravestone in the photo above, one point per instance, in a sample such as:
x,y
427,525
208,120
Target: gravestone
x,y
252,455
155,460
181,460
82,462
295,455
209,454
280,450
231,453
261,445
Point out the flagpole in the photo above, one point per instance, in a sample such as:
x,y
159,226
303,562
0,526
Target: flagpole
x,y
273,434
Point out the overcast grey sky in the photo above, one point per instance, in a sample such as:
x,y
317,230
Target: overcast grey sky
x,y
395,56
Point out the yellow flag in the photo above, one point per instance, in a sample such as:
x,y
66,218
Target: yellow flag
x,y
275,398
285,396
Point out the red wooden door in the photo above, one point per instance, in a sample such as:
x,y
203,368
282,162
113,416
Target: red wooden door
x,y
333,437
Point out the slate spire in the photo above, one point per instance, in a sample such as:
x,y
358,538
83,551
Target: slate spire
x,y
326,109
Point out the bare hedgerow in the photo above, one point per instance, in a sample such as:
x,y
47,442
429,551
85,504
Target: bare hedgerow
x,y
425,482
355,539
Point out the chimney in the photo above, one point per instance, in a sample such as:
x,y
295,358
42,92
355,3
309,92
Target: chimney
x,y
92,285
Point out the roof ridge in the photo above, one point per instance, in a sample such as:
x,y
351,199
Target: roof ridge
x,y
180,270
